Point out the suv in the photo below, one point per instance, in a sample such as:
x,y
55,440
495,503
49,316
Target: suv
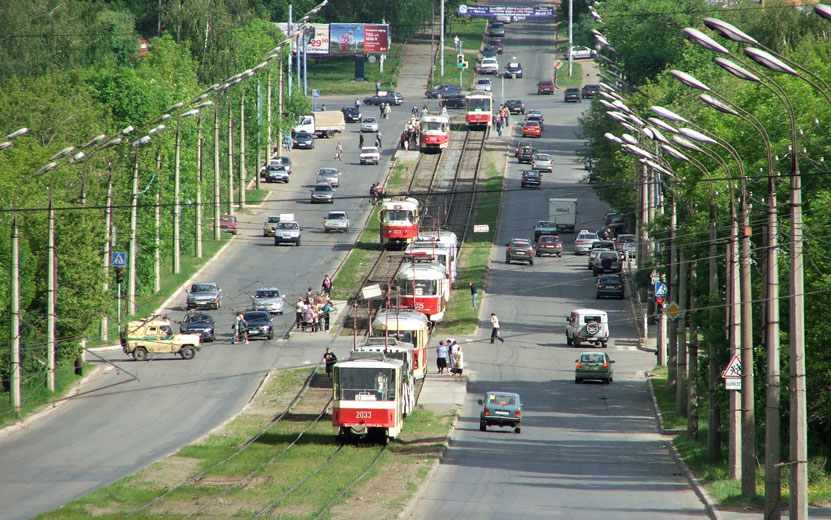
x,y
545,87
155,336
287,231
204,295
520,250
515,106
587,326
351,114
589,91
607,262
526,155
596,248
572,94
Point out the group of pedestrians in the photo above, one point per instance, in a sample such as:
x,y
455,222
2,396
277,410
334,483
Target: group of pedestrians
x,y
386,110
502,119
450,356
313,312
409,135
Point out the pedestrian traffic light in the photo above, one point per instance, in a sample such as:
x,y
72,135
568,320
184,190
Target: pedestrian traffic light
x,y
460,61
119,274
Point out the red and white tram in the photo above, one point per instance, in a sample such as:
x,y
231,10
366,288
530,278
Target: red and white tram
x,y
408,326
425,287
395,349
434,132
441,252
445,239
479,110
368,400
399,221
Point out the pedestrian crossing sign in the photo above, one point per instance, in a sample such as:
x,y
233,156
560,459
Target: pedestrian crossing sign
x,y
734,368
119,259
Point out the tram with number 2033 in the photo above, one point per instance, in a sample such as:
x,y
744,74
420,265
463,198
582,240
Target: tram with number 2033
x,y
479,110
399,218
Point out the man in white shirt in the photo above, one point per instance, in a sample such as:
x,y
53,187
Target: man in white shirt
x,y
495,331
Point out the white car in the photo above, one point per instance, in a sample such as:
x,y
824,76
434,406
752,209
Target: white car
x,y
583,242
369,124
370,155
484,85
582,53
489,66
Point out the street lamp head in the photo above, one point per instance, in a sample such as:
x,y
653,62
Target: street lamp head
x,y
163,117
111,143
596,17
17,133
261,66
157,129
613,137
629,127
596,32
144,141
695,135
736,70
823,10
718,105
635,119
5,144
247,74
628,138
674,153
204,104
49,167
174,108
640,152
621,105
655,166
95,140
127,130
683,142
667,114
211,88
63,153
608,88
617,116
657,135
705,41
78,157
606,104
189,113
666,127
601,40
688,80
731,32
648,133
767,60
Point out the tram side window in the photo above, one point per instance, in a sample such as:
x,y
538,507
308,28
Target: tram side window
x,y
397,216
419,288
367,384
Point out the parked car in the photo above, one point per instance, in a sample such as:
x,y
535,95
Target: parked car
x,y
282,161
497,44
336,221
542,162
531,178
610,285
594,366
323,192
513,69
268,299
526,154
582,53
304,140
607,262
519,250
572,94
370,155
228,224
545,227
200,323
204,295
501,409
484,84
276,174
369,124
587,326
351,114
442,90
545,87
391,98
260,324
583,242
532,129
515,106
269,225
550,245
287,231
589,91
612,217
330,176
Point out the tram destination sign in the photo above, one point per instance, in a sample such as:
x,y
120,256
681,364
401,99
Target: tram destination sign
x,y
515,12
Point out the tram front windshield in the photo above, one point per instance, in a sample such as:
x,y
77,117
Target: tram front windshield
x,y
397,216
433,126
404,336
366,384
479,104
418,287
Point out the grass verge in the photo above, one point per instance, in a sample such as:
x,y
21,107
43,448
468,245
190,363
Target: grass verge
x,y
34,394
336,76
576,79
471,32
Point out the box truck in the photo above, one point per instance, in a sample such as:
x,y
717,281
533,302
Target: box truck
x,y
564,213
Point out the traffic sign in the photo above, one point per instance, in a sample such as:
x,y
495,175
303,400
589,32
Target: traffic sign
x,y
733,384
480,228
558,64
672,310
119,259
734,368
660,289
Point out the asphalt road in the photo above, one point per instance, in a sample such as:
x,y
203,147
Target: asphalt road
x,y
138,412
588,451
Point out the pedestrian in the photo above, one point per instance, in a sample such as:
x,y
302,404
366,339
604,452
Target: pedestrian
x,y
308,318
326,286
310,296
339,151
323,107
414,111
327,311
406,145
387,111
495,331
240,330
298,313
288,142
377,86
451,349
458,363
473,293
499,127
378,139
329,359
373,193
360,140
381,108
357,102
441,357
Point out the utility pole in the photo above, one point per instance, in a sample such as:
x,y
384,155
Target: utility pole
x,y
269,136
157,254
713,409
773,473
131,254
280,107
748,412
217,179
672,346
177,247
441,38
681,357
50,293
734,441
230,154
289,58
242,172
198,245
570,24
108,223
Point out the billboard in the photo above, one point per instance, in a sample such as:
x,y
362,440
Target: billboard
x,y
517,13
317,38
358,38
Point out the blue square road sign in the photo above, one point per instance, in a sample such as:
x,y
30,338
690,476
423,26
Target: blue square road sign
x,y
119,259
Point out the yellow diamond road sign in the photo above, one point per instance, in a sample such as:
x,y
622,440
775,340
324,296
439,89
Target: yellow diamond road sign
x,y
672,310
558,64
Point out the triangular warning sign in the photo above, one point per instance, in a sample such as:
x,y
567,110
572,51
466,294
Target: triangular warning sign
x,y
734,368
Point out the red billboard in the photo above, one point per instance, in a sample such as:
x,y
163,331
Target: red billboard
x,y
375,39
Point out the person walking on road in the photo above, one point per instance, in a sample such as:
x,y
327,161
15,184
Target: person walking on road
x,y
441,357
473,293
327,311
329,358
339,152
495,331
326,286
458,363
378,139
298,313
360,141
240,330
414,111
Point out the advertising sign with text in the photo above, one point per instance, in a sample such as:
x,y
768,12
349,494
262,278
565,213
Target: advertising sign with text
x,y
515,12
317,38
375,39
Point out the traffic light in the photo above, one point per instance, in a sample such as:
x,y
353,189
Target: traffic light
x,y
460,61
119,274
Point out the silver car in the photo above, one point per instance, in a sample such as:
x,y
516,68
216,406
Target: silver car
x,y
542,162
204,295
268,299
328,175
323,192
583,242
369,124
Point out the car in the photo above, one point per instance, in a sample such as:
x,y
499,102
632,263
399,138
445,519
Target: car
x,y
452,101
260,324
204,295
287,231
583,242
370,155
572,94
484,84
276,174
281,161
550,245
542,162
594,366
531,178
515,106
612,217
501,409
545,227
610,285
351,114
200,323
545,87
390,98
519,250
607,262
532,128
518,145
269,225
587,326
497,44
612,230
535,118
513,70
589,91
144,338
504,18
328,175
489,66
526,154
627,244
268,299
534,113
304,140
369,124
581,53
228,224
489,52
336,221
597,247
442,91
497,29
323,192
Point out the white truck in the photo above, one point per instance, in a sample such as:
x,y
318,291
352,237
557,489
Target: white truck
x,y
321,124
564,213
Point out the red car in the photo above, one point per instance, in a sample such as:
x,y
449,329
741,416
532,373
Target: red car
x,y
550,245
545,87
228,224
532,128
497,44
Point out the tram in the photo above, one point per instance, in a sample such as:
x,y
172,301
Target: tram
x,y
395,349
408,326
479,110
424,286
443,252
434,132
399,221
368,398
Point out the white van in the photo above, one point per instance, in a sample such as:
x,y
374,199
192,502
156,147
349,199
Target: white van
x,y
587,326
